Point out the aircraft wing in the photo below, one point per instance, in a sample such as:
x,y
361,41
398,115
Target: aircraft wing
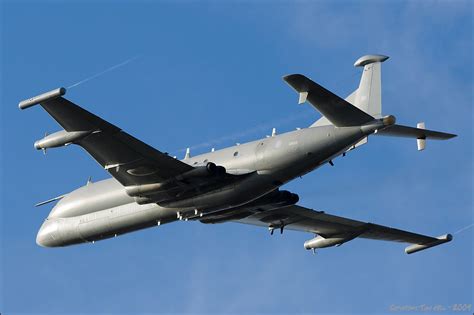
x,y
335,229
126,158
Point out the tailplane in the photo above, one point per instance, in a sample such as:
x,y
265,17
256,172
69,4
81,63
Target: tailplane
x,y
363,107
419,133
337,110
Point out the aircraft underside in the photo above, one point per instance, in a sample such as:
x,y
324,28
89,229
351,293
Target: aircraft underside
x,y
237,184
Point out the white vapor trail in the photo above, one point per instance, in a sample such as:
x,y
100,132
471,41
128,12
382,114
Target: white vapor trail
x,y
105,71
263,127
247,132
464,228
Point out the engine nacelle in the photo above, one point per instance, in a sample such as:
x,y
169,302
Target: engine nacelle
x,y
287,198
60,138
210,169
147,190
275,199
321,242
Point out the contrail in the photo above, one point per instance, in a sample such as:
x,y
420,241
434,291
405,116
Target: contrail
x,y
247,132
105,71
259,128
464,228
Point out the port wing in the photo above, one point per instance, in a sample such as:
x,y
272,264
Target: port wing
x,y
126,158
331,227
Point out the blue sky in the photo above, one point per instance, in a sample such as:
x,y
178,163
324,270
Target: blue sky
x,y
209,74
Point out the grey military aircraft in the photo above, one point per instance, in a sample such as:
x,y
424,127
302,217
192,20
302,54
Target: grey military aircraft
x,y
236,184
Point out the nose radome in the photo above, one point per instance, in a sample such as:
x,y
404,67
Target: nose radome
x,y
47,234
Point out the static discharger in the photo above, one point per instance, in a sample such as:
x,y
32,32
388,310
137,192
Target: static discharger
x,y
42,98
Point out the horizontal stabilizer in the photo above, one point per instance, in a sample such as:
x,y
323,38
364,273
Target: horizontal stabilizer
x,y
411,132
338,111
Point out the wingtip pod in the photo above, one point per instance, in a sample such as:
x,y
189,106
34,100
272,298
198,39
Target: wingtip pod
x,y
439,240
42,98
368,59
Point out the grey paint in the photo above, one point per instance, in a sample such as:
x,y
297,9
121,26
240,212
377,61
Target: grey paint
x,y
369,59
151,189
104,209
41,98
59,139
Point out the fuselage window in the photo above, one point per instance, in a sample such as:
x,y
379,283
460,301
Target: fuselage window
x,y
236,153
205,161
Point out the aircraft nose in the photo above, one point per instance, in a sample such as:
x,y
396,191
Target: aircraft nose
x,y
47,234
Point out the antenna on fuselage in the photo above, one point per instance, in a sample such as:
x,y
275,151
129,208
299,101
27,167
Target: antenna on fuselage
x,y
274,132
188,154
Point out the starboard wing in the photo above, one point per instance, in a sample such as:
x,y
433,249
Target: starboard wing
x,y
335,229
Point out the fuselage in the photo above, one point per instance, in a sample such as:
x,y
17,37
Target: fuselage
x,y
104,209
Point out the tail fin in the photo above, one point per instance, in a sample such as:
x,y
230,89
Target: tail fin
x,y
368,97
369,93
362,106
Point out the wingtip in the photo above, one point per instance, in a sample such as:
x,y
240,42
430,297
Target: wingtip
x,y
298,82
448,136
41,98
290,77
446,238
